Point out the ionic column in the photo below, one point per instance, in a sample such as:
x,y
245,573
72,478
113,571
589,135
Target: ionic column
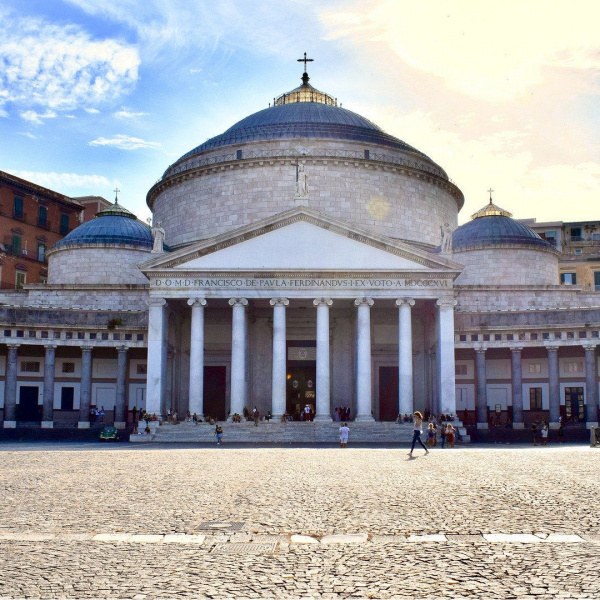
x,y
85,393
363,359
121,403
279,366
196,396
517,388
405,357
238,356
323,359
48,407
10,388
591,387
157,356
554,386
481,403
445,352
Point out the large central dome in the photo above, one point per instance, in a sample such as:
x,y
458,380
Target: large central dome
x,y
303,120
355,172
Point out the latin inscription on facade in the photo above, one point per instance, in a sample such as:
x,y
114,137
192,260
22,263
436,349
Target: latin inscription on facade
x,y
297,284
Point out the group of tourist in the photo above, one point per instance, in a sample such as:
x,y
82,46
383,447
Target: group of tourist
x,y
341,413
96,414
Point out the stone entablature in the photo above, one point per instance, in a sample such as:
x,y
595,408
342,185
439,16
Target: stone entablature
x,y
168,284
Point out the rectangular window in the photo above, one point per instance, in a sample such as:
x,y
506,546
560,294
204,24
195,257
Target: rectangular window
x,y
18,207
41,253
20,278
576,234
535,398
578,251
43,216
68,367
30,366
16,245
574,367
238,154
568,278
550,236
535,368
461,369
64,224
597,281
142,369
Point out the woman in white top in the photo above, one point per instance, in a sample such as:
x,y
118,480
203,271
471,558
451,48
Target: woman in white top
x,y
417,433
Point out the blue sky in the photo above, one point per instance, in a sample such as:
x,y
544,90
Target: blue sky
x,y
98,94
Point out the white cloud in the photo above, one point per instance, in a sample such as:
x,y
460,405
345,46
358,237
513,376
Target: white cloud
x,y
62,182
36,118
125,142
92,111
128,114
60,67
29,135
490,50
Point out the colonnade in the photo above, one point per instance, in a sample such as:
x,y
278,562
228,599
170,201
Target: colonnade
x,y
157,335
591,386
85,393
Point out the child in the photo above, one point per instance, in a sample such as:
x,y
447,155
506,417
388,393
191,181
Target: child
x,y
218,434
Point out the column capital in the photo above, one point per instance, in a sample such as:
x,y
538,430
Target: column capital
x,y
12,346
322,301
159,302
552,348
238,302
196,301
589,346
365,300
515,349
446,302
86,348
402,301
122,348
481,350
50,346
279,301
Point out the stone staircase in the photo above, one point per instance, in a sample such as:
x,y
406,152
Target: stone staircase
x,y
282,433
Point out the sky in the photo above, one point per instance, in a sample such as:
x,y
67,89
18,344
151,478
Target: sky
x,y
104,94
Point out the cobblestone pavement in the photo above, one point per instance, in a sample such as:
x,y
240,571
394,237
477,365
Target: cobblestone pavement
x,y
90,522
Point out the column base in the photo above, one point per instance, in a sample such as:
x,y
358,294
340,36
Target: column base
x,y
483,426
83,425
554,425
120,425
364,419
47,424
323,419
591,424
518,425
10,424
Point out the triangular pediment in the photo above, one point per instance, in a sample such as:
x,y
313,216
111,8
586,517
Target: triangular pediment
x,y
300,240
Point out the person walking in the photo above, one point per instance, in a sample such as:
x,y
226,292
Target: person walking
x,y
544,433
344,431
256,416
450,435
417,431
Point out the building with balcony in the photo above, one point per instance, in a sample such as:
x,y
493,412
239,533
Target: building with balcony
x,y
32,218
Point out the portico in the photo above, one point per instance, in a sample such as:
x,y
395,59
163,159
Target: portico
x,y
247,318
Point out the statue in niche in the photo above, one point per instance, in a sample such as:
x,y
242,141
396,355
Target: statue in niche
x,y
446,238
302,182
158,233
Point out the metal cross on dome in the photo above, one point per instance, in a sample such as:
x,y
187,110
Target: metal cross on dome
x,y
305,60
490,191
116,191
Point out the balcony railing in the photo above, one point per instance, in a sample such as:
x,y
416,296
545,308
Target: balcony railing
x,y
19,215
45,223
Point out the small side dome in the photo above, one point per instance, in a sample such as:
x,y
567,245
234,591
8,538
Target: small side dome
x,y
493,226
105,250
113,225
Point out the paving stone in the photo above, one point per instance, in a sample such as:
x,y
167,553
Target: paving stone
x,y
303,539
180,538
435,537
112,537
511,538
345,538
563,538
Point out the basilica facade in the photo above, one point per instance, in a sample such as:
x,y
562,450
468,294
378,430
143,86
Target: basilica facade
x,y
302,257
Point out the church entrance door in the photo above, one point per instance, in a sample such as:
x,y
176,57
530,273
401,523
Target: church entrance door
x,y
301,390
388,393
215,389
574,405
28,409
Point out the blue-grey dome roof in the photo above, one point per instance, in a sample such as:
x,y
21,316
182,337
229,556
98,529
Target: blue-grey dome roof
x,y
303,120
114,225
494,230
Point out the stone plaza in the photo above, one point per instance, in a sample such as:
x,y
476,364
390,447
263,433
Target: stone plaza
x,y
90,521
